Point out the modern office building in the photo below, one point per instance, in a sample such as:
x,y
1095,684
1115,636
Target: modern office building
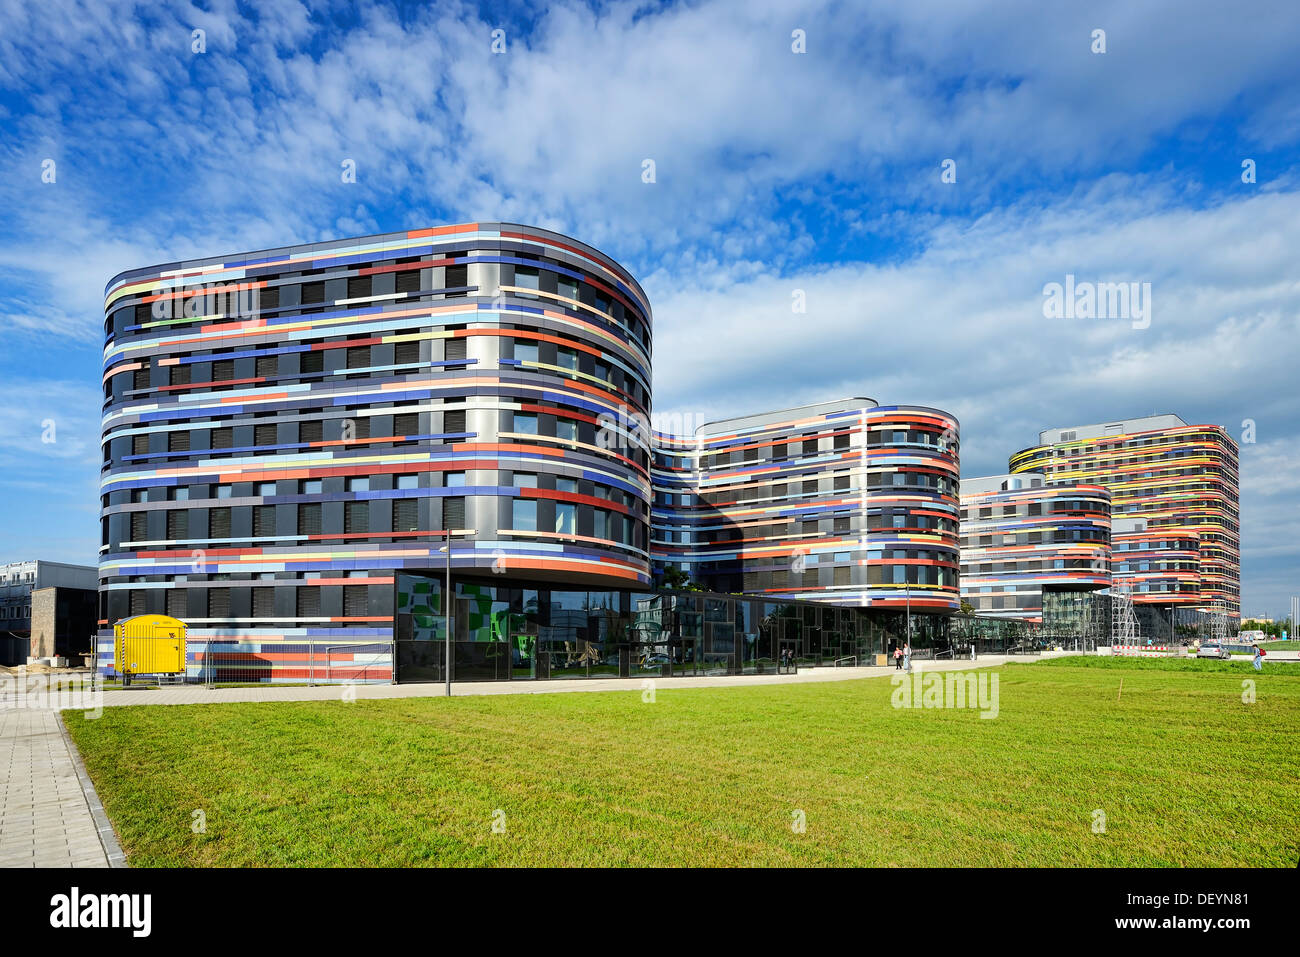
x,y
42,609
291,435
285,431
1174,502
1035,551
846,502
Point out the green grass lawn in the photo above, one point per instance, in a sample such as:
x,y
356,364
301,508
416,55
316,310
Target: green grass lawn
x,y
1185,772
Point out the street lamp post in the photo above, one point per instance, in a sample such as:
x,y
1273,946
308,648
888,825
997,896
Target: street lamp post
x,y
446,602
907,594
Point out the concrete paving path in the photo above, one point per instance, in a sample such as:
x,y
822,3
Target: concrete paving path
x,y
46,816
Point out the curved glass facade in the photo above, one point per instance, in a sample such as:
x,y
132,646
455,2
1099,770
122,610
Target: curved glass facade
x,y
1023,543
846,502
285,430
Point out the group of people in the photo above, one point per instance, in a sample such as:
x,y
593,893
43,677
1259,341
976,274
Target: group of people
x,y
903,656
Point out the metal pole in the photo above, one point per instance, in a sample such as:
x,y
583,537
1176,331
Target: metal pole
x,y
446,616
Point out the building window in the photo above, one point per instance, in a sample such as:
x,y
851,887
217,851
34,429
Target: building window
x,y
456,349
179,375
406,353
525,351
309,522
177,603
356,601
263,521
527,278
264,435
263,602
223,438
139,445
218,602
358,357
408,281
313,292
223,370
356,517
178,441
139,526
524,515
219,523
406,424
525,422
308,601
358,287
565,518
310,431
178,524
313,361
265,366
453,512
135,601
457,278
405,514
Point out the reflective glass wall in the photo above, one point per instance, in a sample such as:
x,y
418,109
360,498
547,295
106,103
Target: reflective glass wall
x,y
507,630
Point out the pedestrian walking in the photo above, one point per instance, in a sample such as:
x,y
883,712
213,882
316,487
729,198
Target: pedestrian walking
x,y
907,658
972,651
898,658
1259,658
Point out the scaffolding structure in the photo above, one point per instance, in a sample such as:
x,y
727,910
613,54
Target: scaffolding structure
x,y
1123,619
1219,621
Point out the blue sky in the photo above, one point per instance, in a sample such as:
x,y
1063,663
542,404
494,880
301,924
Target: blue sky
x,y
776,172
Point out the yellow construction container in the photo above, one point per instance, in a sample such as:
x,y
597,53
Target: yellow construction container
x,y
149,645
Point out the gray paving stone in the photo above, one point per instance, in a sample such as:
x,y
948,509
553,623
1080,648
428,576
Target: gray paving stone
x,y
45,817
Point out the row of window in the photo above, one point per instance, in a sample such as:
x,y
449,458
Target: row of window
x,y
266,522
271,299
307,601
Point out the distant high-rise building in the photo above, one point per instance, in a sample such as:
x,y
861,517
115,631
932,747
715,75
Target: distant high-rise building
x,y
1175,532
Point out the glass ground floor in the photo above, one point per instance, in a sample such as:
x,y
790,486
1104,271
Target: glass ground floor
x,y
516,631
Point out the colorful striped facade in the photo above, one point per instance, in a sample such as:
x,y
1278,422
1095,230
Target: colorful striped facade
x,y
286,430
1022,538
1175,504
845,502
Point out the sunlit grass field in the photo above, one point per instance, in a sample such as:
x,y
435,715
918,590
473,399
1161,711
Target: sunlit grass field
x,y
1184,771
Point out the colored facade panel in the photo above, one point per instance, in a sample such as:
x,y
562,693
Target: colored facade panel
x,y
285,430
845,502
1022,539
1175,504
